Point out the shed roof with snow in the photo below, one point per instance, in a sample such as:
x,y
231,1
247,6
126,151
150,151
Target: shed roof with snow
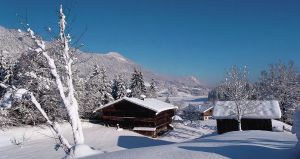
x,y
149,103
250,109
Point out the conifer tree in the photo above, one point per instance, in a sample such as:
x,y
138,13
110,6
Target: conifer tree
x,y
152,89
105,87
92,93
119,87
137,85
5,70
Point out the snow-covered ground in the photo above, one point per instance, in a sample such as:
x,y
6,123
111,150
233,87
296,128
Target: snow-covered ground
x,y
183,141
38,141
182,101
235,145
188,130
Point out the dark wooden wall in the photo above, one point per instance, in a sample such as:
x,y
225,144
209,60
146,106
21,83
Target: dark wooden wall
x,y
227,125
129,115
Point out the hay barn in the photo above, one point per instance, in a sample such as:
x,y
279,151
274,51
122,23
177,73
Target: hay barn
x,y
258,116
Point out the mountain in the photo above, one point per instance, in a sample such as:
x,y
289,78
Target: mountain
x,y
14,42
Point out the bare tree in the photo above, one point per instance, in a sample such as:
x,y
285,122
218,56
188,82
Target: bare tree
x,y
281,82
236,87
68,98
64,85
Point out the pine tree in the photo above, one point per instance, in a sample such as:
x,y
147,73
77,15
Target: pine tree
x,y
98,89
2,67
137,85
105,88
5,70
119,89
152,89
92,94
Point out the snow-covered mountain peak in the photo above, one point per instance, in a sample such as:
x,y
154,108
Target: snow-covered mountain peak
x,y
194,79
117,56
14,43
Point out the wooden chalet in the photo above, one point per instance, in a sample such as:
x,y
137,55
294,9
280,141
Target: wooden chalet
x,y
206,112
258,116
149,116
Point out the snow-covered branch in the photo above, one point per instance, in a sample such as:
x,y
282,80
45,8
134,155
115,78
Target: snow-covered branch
x,y
20,93
237,88
69,101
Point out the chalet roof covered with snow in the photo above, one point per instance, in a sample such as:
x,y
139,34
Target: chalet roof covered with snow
x,y
250,110
198,108
149,103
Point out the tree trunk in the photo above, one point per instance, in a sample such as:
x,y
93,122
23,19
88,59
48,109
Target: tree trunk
x,y
239,125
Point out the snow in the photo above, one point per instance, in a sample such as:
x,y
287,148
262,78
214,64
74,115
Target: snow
x,y
5,51
31,33
82,150
128,91
296,129
196,139
189,130
280,126
38,50
258,110
149,103
177,118
105,139
19,93
144,129
117,56
143,96
198,108
6,101
183,102
246,145
69,100
31,74
183,94
41,143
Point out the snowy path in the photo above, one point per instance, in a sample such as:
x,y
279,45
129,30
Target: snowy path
x,y
188,131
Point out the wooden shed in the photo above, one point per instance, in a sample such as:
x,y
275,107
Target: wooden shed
x,y
149,117
257,116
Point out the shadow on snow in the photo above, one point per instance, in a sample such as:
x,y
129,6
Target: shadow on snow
x,y
253,148
131,142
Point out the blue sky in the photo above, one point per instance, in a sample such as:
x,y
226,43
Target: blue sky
x,y
180,37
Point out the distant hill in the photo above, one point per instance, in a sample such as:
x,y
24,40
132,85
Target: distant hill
x,y
14,42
